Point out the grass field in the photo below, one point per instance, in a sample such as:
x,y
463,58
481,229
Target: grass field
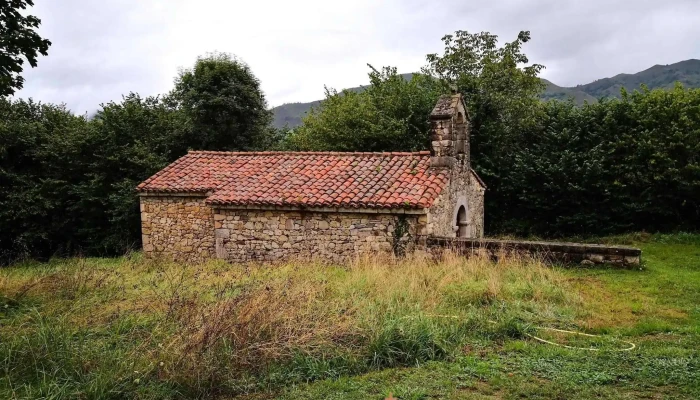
x,y
137,328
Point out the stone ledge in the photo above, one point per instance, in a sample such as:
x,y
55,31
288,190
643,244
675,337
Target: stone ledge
x,y
552,251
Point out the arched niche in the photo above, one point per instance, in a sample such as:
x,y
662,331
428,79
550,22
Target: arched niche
x,y
462,223
460,133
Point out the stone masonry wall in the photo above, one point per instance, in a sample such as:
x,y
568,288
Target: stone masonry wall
x,y
181,228
475,199
247,235
462,191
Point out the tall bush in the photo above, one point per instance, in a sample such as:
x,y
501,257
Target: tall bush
x,y
67,183
39,161
618,165
224,103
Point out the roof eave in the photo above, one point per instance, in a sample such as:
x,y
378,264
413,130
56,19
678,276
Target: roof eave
x,y
162,193
358,210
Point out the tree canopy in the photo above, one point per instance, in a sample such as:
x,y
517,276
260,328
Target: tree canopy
x,y
389,114
551,168
224,103
67,182
19,41
392,113
502,96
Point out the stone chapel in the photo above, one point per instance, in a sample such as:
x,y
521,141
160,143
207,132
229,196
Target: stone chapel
x,y
246,206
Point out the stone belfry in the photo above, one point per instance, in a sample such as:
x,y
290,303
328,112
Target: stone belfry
x,y
449,133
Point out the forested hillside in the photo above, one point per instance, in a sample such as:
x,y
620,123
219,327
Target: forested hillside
x,y
555,92
657,77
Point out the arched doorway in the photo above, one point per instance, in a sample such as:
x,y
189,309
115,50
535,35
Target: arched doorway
x,y
462,223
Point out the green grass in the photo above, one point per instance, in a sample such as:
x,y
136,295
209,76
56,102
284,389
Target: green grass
x,y
657,308
138,328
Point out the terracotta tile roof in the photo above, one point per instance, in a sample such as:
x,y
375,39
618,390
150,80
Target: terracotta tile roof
x,y
309,179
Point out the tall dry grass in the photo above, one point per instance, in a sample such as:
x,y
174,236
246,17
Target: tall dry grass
x,y
215,327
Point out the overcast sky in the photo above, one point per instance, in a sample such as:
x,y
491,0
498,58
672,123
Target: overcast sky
x,y
103,49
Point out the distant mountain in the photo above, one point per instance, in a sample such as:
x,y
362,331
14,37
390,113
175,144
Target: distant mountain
x,y
290,114
554,92
657,77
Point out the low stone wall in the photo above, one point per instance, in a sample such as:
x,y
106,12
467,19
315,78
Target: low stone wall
x,y
563,252
256,235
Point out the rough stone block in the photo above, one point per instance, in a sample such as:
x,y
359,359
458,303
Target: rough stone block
x,y
596,258
222,233
632,260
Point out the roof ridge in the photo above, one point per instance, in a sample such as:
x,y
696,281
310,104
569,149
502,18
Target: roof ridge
x,y
309,153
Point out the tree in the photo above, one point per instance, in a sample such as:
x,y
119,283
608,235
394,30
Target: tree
x,y
18,41
391,114
502,96
128,142
226,107
67,183
39,162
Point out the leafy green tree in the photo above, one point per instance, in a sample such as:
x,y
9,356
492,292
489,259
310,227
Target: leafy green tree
x,y
391,114
18,42
502,96
128,142
225,104
67,184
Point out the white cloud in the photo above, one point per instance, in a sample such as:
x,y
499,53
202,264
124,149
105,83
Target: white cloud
x,y
104,49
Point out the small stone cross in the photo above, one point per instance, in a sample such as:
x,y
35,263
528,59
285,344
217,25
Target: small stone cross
x,y
391,397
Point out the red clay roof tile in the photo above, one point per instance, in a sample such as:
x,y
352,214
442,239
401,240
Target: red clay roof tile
x,y
307,179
